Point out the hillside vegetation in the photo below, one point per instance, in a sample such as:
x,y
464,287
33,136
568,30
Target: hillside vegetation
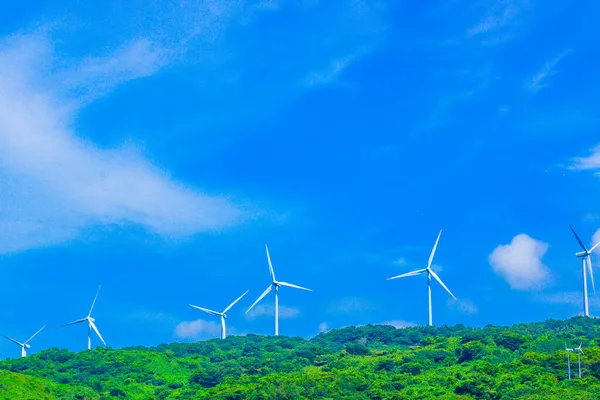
x,y
526,361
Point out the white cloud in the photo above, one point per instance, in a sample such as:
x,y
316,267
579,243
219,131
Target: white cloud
x,y
595,240
401,262
463,306
197,328
399,324
520,262
501,14
573,298
536,82
331,73
264,310
152,316
588,163
323,327
349,305
54,183
93,76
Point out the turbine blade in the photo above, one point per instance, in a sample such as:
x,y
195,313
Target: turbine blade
x,y
271,270
206,310
413,273
94,302
93,325
35,334
266,292
13,340
437,278
294,286
594,247
234,303
433,250
74,322
589,265
578,240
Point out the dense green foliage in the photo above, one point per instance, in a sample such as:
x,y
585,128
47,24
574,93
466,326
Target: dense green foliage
x,y
526,361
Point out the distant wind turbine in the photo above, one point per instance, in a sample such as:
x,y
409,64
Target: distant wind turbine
x,y
579,353
91,324
25,345
429,273
275,284
223,314
568,359
586,258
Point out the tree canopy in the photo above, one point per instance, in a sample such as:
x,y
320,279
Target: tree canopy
x,y
525,361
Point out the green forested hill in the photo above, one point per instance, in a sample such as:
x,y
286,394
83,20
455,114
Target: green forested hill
x,y
525,361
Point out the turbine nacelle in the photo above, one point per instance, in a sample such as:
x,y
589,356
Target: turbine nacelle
x,y
25,345
222,314
91,323
276,285
582,254
430,273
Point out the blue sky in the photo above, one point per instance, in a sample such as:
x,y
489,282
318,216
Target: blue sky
x,y
155,150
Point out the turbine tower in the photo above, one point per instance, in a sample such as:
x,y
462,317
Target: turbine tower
x,y
91,324
586,258
223,314
579,353
275,284
25,345
429,273
568,359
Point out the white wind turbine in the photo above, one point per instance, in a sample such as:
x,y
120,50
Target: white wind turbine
x,y
275,284
25,345
91,324
586,258
429,273
223,314
579,353
568,359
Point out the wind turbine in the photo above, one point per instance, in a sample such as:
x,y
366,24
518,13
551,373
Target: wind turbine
x,y
91,324
429,273
579,353
568,359
223,314
585,256
275,284
25,345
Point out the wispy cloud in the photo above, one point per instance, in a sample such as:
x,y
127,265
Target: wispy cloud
x,y
197,329
399,324
537,81
348,305
501,14
323,327
463,306
268,310
588,163
95,76
520,262
401,262
54,183
159,317
595,240
571,298
329,74
361,30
